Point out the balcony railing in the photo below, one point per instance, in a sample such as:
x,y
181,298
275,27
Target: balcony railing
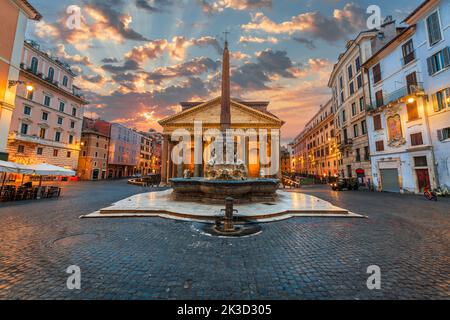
x,y
396,95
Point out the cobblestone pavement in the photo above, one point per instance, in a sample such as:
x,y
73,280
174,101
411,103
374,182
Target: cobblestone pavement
x,y
152,258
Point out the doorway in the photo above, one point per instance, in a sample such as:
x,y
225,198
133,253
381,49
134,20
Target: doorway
x,y
423,179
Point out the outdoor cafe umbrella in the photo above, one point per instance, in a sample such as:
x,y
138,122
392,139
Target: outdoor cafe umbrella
x,y
45,169
11,167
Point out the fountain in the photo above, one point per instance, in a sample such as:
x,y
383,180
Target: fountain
x,y
224,184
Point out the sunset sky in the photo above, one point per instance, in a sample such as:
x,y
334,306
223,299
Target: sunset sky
x,y
137,59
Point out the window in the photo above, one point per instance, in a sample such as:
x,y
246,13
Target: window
x,y
51,74
408,52
21,149
70,139
65,81
29,95
377,122
74,112
24,128
434,29
34,65
57,136
376,73
361,104
413,113
438,61
358,155
441,100
344,117
364,127
72,124
60,120
411,82
420,161
42,132
44,116
354,109
355,130
358,64
27,110
350,71
352,88
379,145
47,101
359,80
444,134
39,151
84,153
416,139
55,152
379,98
366,153
69,154
62,105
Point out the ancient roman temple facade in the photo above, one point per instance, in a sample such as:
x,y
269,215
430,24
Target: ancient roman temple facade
x,y
256,139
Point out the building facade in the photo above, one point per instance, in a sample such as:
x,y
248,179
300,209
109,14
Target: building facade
x,y
124,151
47,121
315,148
285,161
14,15
349,86
432,51
150,155
93,161
410,104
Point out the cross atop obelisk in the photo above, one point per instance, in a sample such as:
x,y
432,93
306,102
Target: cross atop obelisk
x,y
225,113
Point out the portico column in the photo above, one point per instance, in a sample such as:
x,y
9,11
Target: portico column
x,y
170,169
180,166
165,158
198,166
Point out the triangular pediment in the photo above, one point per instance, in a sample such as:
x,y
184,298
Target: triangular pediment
x,y
209,113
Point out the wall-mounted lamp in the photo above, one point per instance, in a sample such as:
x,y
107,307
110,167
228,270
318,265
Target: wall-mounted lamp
x,y
12,83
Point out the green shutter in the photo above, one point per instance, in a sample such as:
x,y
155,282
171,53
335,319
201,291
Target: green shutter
x,y
430,66
446,54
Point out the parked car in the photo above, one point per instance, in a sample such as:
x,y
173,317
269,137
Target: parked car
x,y
347,183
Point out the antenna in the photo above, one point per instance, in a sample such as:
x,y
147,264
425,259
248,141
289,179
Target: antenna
x,y
226,33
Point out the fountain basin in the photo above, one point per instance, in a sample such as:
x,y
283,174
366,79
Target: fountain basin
x,y
215,191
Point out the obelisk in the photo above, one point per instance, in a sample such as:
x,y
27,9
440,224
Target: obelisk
x,y
225,110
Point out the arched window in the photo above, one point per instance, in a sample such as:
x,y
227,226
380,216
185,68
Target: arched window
x,y
51,74
65,81
34,65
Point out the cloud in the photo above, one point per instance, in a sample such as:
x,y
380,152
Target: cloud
x,y
210,7
308,43
100,21
133,108
343,22
248,39
129,65
176,48
269,65
73,59
110,60
153,6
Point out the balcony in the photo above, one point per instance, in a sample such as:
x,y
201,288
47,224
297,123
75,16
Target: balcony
x,y
411,90
34,139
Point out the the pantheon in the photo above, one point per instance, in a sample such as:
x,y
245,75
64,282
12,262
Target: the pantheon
x,y
220,113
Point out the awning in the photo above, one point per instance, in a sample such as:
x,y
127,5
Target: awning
x,y
45,169
11,167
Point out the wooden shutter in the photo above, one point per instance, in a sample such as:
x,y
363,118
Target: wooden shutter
x,y
411,80
376,73
440,135
379,98
379,145
413,112
430,66
446,54
377,122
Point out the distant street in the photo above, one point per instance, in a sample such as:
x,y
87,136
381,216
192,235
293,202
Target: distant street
x,y
152,258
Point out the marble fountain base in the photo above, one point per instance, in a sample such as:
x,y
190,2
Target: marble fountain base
x,y
161,204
